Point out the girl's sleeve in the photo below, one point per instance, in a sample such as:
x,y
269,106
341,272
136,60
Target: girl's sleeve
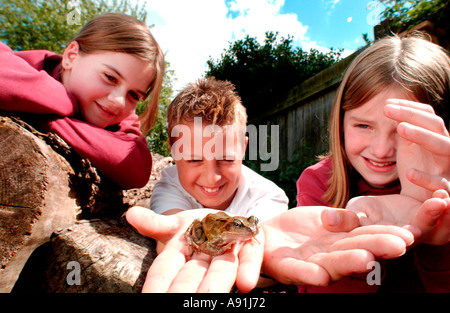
x,y
121,155
433,265
310,189
23,88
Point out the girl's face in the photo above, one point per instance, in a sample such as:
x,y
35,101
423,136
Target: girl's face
x,y
107,85
370,139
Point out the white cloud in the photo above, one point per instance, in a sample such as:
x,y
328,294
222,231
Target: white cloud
x,y
191,32
256,17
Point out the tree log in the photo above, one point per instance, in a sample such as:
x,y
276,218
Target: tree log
x,y
46,187
35,197
90,256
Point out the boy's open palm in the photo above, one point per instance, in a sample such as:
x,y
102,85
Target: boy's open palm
x,y
176,269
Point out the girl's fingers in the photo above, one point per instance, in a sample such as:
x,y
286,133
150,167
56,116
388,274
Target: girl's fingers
x,y
411,104
343,263
415,113
427,181
405,234
380,245
292,271
429,214
432,141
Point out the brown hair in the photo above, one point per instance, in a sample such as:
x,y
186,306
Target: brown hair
x,y
215,101
122,33
413,63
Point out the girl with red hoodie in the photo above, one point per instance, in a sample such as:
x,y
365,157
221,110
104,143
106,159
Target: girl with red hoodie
x,y
88,96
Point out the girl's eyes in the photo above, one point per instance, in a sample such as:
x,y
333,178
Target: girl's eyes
x,y
134,95
111,78
362,126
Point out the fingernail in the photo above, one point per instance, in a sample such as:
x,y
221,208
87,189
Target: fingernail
x,y
333,217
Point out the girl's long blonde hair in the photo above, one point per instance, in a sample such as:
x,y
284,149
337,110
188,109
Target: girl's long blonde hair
x,y
417,65
122,33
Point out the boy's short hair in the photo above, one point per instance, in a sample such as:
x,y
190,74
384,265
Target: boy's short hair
x,y
215,101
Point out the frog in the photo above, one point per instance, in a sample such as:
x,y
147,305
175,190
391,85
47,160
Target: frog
x,y
217,232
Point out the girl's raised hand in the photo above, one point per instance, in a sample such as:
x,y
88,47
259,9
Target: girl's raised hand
x,y
423,154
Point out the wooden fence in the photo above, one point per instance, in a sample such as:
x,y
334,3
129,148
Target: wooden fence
x,y
302,117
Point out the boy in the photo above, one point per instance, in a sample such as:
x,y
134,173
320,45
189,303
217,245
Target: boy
x,y
207,125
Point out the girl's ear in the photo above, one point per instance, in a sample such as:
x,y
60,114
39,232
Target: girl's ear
x,y
70,55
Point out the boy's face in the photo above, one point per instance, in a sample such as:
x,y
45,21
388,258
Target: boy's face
x,y
107,85
209,167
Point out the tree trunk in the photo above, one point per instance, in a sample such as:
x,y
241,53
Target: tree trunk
x,y
35,197
90,256
45,188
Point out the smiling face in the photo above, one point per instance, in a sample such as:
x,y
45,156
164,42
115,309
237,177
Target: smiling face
x,y
370,139
211,175
107,85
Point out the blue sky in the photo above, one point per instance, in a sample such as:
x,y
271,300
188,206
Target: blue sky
x,y
192,31
338,24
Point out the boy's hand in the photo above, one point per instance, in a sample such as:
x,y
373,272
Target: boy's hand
x,y
299,250
174,270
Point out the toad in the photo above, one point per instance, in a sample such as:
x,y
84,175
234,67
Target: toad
x,y
217,232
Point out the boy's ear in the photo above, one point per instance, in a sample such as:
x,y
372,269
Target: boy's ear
x,y
246,143
70,54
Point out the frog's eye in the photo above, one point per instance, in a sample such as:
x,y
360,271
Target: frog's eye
x,y
253,219
238,223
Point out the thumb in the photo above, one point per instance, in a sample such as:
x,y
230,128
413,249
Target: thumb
x,y
429,214
339,220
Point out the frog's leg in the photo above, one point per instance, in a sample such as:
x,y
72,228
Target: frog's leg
x,y
216,248
194,235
